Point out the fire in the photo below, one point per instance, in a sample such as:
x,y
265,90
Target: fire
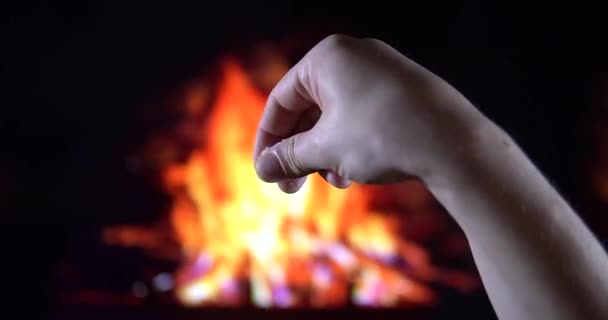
x,y
244,241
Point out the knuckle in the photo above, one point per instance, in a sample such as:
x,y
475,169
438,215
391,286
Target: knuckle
x,y
288,159
296,164
337,41
373,41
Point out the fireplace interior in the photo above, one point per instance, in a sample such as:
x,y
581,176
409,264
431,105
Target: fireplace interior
x,y
136,196
220,238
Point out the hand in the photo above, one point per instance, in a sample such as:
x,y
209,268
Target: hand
x,y
357,110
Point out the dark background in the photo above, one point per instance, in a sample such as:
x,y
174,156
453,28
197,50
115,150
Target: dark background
x,y
78,74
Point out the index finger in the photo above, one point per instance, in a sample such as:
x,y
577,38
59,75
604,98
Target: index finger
x,y
286,105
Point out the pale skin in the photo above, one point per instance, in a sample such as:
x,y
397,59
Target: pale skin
x,y
356,110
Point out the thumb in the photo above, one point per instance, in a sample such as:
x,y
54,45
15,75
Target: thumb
x,y
291,158
289,162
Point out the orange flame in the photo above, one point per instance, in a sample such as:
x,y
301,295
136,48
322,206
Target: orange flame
x,y
237,231
245,241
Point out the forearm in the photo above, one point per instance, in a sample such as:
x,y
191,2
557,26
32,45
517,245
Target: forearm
x,y
383,117
536,257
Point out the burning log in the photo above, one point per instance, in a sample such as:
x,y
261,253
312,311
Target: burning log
x,y
241,241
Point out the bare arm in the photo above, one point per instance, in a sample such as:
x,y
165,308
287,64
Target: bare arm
x,y
536,258
381,117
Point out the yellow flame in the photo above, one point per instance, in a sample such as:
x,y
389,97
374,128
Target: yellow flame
x,y
245,240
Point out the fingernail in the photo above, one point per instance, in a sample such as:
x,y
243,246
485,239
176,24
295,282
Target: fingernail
x,y
268,167
292,185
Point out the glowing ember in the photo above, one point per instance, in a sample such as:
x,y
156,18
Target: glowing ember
x,y
245,241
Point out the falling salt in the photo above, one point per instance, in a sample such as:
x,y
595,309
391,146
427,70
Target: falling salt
x,y
163,282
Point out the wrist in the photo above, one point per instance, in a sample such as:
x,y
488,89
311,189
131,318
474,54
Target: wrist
x,y
487,171
474,162
464,150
